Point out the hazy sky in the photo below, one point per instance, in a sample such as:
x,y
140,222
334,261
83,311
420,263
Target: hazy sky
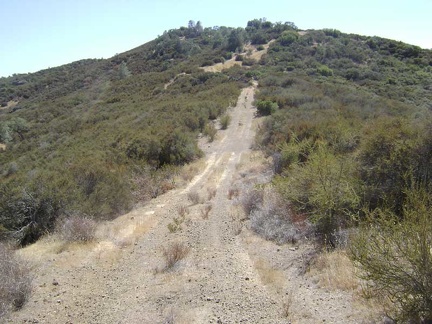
x,y
37,34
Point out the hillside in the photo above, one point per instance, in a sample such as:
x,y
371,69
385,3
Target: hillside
x,y
185,257
343,121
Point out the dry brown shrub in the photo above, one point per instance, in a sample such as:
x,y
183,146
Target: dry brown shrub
x,y
211,193
194,197
251,200
233,193
182,211
206,211
270,217
15,281
174,253
77,229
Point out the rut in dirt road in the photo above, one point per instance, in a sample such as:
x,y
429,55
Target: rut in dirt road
x,y
222,285
121,279
226,280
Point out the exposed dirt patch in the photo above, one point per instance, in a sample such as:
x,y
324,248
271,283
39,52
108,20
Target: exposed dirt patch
x,y
10,104
218,67
254,54
166,85
229,274
2,147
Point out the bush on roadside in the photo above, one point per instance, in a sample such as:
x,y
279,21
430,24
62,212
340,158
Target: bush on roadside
x,y
15,281
251,199
272,220
76,229
325,189
210,131
395,259
174,253
225,121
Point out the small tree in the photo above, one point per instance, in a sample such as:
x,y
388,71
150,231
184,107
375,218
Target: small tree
x,y
235,40
395,257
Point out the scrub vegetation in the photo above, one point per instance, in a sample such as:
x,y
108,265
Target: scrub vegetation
x,y
346,119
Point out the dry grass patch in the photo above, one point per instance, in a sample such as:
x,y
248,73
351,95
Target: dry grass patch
x,y
269,276
173,254
189,171
334,270
253,159
15,281
46,246
125,230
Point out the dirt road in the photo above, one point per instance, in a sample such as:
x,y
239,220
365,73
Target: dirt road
x,y
119,280
225,277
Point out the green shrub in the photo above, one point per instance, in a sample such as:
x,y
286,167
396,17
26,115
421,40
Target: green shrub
x,y
288,37
385,158
178,148
247,61
225,120
227,55
210,131
102,192
325,70
325,188
395,259
266,107
35,205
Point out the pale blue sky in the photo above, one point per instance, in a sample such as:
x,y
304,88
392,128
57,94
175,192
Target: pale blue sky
x,y
37,34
